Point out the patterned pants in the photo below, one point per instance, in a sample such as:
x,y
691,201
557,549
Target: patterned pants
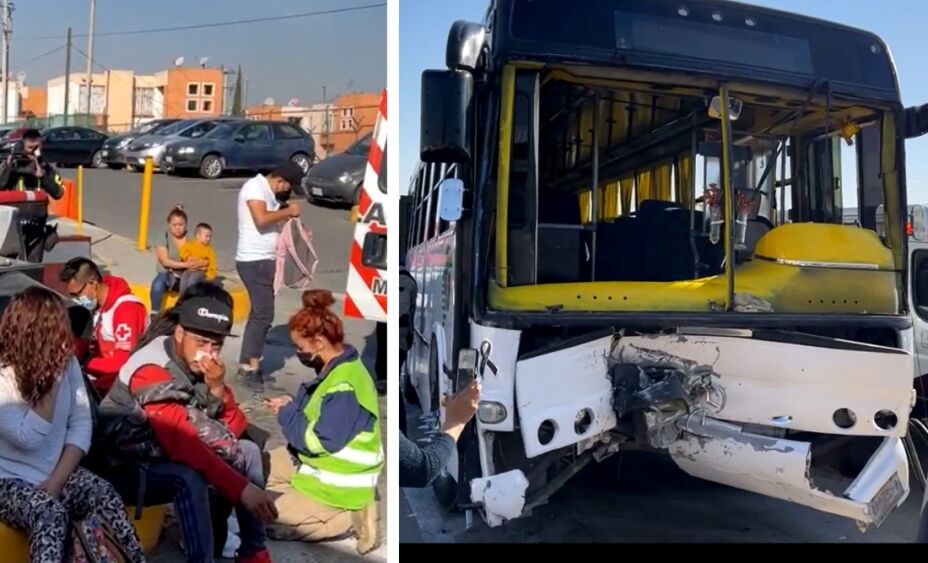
x,y
46,520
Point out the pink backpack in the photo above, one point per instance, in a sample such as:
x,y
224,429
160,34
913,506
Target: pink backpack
x,y
296,257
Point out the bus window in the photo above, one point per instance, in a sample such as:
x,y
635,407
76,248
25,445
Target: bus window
x,y
562,229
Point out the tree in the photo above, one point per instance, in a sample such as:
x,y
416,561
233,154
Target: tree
x,y
237,108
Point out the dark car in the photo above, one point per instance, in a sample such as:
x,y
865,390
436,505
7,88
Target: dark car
x,y
241,145
114,148
73,146
338,178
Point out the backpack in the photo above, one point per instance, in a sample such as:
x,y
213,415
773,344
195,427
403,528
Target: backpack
x,y
296,257
92,542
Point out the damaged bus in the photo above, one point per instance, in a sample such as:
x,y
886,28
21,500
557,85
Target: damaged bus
x,y
627,221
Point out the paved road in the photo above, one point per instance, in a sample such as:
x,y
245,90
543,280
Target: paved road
x,y
646,498
111,201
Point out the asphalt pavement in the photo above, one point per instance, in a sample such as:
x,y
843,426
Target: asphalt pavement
x,y
112,199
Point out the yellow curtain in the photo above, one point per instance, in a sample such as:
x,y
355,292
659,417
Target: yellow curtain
x,y
627,184
661,175
643,186
586,202
685,180
611,205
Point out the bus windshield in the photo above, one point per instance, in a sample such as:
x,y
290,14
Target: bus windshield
x,y
617,180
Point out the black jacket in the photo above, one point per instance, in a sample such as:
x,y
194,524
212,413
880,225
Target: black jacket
x,y
10,178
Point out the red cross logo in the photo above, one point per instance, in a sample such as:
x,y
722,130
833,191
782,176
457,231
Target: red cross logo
x,y
123,333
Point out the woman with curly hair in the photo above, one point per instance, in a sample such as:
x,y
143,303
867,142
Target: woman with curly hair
x,y
45,430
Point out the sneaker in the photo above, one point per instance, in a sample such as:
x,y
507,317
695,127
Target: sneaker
x,y
251,379
263,556
364,526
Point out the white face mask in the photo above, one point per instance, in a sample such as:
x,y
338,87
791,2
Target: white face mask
x,y
86,302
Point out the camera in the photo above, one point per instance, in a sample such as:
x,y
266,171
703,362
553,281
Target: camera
x,y
20,158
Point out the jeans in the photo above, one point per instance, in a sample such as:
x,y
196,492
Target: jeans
x,y
159,286
258,278
163,282
170,482
201,512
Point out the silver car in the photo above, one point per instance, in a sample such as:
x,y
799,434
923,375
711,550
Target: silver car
x,y
153,145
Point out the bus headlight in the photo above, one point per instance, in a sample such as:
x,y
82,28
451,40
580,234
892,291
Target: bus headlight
x,y
491,412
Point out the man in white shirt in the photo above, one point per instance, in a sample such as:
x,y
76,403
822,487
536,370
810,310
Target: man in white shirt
x,y
262,209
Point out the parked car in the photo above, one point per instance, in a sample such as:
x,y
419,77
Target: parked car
x,y
153,144
114,147
241,145
73,146
11,137
338,178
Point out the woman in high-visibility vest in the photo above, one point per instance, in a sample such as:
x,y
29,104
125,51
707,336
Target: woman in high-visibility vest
x,y
327,475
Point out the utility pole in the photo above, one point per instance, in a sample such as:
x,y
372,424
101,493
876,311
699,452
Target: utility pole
x,y
245,96
325,121
67,76
93,8
5,61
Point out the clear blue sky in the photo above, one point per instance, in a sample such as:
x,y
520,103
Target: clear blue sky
x,y
424,28
282,59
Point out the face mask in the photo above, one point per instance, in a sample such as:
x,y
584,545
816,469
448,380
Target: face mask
x,y
86,302
311,360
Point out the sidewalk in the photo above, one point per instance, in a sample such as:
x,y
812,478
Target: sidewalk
x,y
120,257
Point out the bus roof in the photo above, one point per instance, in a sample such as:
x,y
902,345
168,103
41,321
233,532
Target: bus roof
x,y
711,37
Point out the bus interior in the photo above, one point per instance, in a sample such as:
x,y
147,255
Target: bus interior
x,y
651,235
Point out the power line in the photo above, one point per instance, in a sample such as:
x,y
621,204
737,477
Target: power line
x,y
220,24
45,54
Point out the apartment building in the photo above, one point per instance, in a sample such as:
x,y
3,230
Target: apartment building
x,y
121,99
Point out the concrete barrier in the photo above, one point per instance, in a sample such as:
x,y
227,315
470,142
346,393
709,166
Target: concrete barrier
x,y
241,305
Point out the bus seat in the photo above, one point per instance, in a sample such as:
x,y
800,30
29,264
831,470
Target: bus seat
x,y
668,252
521,257
562,254
619,250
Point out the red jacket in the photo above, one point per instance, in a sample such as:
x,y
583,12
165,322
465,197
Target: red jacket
x,y
179,440
118,326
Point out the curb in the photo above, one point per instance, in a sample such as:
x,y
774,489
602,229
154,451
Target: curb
x,y
240,302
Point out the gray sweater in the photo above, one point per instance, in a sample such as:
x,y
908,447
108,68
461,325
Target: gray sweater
x,y
30,446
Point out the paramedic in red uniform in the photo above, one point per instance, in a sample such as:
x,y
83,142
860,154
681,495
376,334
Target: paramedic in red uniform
x,y
120,318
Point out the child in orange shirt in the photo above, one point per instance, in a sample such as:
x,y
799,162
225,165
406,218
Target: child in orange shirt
x,y
201,248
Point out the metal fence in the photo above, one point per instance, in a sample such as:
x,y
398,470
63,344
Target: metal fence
x,y
78,120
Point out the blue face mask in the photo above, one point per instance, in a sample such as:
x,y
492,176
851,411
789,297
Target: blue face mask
x,y
86,302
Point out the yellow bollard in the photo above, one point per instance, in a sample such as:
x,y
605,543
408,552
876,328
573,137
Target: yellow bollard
x,y
144,208
80,200
353,216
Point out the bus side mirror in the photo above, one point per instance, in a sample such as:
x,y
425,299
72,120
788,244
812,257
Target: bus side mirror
x,y
465,45
450,199
446,109
916,121
920,223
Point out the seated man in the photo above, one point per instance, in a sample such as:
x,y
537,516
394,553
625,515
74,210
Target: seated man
x,y
120,318
170,403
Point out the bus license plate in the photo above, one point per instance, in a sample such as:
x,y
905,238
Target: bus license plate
x,y
886,499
